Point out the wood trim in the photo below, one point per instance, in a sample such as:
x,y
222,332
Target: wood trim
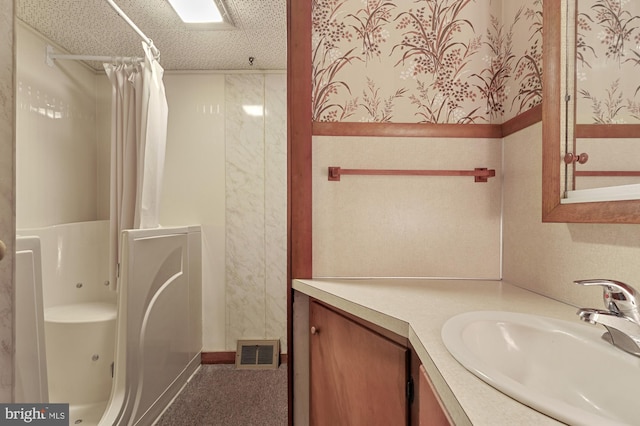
x,y
228,358
407,130
299,72
522,121
551,95
218,357
299,176
608,131
606,173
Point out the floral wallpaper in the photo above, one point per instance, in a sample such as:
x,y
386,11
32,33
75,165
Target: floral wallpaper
x,y
426,61
608,62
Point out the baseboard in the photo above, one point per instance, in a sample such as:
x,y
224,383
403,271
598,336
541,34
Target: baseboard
x,y
228,358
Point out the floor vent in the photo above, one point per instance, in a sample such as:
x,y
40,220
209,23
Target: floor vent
x,y
258,354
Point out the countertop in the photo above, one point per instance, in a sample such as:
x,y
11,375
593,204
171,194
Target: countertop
x,y
418,308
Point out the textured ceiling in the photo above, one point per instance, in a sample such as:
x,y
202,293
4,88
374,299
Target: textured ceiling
x,y
92,27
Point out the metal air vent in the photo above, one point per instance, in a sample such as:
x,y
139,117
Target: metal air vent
x,y
258,354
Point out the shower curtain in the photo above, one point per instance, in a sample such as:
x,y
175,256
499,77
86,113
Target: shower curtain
x,y
138,138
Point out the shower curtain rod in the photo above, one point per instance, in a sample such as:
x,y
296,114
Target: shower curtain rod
x,y
51,56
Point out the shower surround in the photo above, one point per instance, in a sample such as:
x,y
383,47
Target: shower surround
x,y
213,149
226,169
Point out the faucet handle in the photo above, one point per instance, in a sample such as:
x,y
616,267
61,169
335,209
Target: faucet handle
x,y
619,298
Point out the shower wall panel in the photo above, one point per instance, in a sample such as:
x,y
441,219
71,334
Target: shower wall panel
x,y
276,205
194,184
56,147
245,215
255,207
226,169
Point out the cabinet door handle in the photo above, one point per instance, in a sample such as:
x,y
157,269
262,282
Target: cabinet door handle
x,y
3,249
314,330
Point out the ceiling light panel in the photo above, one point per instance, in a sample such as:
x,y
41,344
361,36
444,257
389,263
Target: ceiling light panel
x,y
203,14
196,11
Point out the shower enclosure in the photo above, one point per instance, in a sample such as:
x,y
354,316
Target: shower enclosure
x,y
107,353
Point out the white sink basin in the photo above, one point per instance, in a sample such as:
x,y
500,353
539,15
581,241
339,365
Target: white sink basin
x,y
560,368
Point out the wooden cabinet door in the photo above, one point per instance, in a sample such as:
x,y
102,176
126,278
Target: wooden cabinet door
x,y
357,377
432,413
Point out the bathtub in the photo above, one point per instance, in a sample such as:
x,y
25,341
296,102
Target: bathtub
x,y
159,322
30,367
79,314
119,358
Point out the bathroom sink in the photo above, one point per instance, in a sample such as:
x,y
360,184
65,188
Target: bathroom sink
x,y
560,368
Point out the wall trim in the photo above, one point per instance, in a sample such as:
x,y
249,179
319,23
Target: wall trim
x,y
522,121
608,131
405,130
228,358
427,130
517,123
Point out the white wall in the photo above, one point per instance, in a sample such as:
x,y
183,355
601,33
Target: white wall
x,y
226,170
56,152
547,257
399,226
194,189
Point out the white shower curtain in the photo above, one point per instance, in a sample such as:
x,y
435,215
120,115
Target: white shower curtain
x,y
138,139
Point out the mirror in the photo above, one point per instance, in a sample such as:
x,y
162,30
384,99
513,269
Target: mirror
x,y
607,98
558,129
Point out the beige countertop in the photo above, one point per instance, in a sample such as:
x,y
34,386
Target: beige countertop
x,y
418,308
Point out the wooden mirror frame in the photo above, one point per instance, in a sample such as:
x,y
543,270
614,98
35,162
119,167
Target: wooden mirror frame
x,y
552,105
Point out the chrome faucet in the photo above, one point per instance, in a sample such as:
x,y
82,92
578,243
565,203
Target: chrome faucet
x,y
621,317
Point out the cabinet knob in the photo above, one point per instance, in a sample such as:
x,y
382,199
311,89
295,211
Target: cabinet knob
x,y
314,330
570,158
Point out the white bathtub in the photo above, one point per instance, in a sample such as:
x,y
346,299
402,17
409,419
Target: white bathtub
x,y
30,368
119,358
159,322
79,316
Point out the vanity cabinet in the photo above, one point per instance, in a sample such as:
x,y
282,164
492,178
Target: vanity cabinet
x,y
361,374
358,377
430,409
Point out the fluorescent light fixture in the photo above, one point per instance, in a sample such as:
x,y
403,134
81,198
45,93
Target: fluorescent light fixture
x,y
197,11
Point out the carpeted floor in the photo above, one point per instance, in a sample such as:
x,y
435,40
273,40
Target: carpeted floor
x,y
222,395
